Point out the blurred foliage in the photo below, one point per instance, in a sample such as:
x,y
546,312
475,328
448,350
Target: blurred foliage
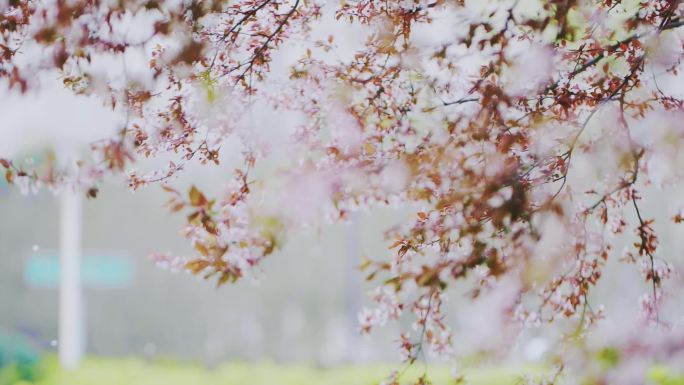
x,y
131,371
27,369
662,375
609,357
19,359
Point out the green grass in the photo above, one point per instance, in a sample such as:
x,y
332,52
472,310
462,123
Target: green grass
x,y
108,371
134,371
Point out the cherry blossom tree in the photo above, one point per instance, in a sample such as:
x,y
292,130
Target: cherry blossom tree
x,y
522,134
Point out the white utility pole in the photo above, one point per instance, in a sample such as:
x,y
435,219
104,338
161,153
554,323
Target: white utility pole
x,y
71,341
353,285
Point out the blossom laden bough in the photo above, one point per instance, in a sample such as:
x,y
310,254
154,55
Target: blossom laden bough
x,y
524,135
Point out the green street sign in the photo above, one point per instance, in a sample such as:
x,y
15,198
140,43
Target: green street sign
x,y
103,271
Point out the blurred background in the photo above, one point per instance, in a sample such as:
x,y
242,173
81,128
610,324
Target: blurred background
x,y
301,309
309,292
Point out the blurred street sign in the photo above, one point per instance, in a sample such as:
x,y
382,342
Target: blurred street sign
x,y
102,271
